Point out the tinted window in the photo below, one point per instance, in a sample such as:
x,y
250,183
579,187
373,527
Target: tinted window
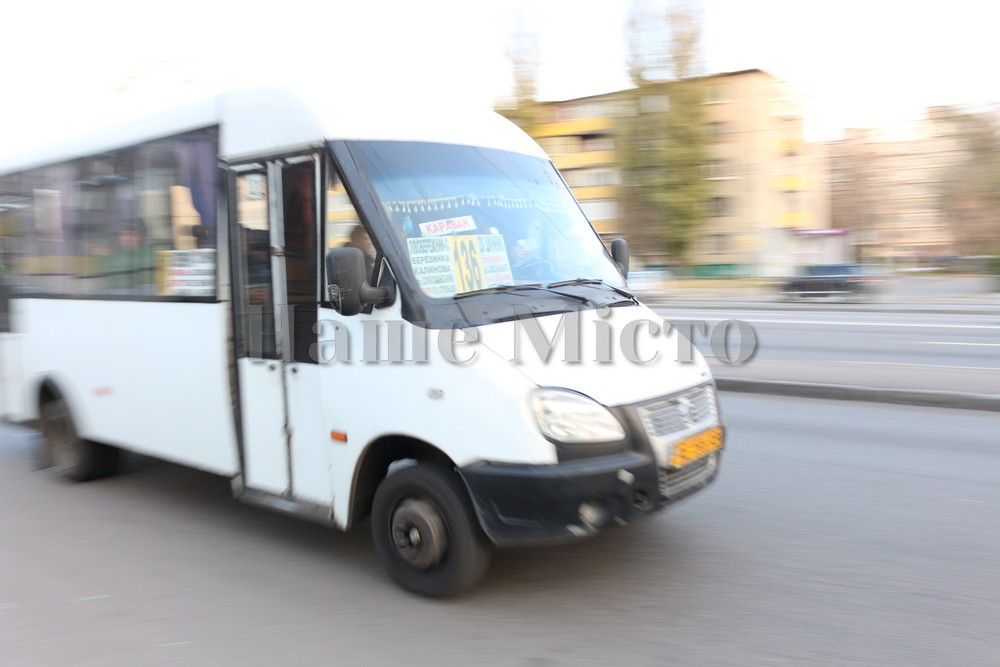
x,y
139,221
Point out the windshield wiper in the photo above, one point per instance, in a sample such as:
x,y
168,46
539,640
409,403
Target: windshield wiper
x,y
594,281
499,289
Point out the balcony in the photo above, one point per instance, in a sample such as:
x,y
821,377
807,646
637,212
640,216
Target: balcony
x,y
794,219
575,127
790,183
596,192
584,159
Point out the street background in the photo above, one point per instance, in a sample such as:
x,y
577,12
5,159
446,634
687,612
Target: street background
x,y
856,520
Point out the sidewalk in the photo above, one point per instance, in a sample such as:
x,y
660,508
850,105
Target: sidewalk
x,y
907,384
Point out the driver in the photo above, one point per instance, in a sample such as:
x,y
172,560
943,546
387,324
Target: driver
x,y
527,261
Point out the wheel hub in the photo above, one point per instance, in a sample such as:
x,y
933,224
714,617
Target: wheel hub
x,y
419,534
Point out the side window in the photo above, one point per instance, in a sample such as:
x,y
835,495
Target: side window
x,y
111,247
256,332
176,209
5,285
54,216
15,209
16,216
136,222
299,215
147,219
343,224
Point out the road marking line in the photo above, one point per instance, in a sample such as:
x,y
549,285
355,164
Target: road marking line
x,y
8,605
846,324
173,644
946,342
865,363
903,363
91,598
967,500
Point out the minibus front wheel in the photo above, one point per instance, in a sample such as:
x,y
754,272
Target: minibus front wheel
x,y
427,533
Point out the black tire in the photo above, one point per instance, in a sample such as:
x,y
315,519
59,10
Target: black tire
x,y
71,456
429,500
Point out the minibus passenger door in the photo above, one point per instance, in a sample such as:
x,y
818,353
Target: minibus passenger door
x,y
257,280
283,443
308,435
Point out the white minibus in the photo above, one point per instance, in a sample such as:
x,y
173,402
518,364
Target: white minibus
x,y
352,314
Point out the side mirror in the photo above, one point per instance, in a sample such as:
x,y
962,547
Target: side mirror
x,y
619,252
348,288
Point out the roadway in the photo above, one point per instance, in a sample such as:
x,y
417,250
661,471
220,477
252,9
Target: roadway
x,y
839,533
944,355
874,335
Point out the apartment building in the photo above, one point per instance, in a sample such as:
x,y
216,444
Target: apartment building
x,y
885,186
768,185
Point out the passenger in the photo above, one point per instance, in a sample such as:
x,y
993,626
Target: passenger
x,y
129,267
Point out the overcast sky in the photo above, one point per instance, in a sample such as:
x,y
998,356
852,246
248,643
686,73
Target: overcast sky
x,y
859,62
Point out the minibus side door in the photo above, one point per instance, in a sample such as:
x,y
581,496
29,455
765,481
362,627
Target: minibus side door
x,y
258,279
276,304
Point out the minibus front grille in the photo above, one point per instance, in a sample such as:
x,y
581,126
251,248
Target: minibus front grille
x,y
676,483
674,416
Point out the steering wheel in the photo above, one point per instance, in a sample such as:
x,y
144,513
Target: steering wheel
x,y
533,269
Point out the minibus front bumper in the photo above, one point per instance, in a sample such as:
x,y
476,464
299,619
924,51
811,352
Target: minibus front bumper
x,y
520,505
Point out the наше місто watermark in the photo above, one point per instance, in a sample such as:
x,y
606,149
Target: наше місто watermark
x,y
638,341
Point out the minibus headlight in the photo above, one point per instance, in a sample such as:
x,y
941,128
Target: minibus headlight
x,y
567,416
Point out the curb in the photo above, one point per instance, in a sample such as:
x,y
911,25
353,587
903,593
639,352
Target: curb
x,y
839,392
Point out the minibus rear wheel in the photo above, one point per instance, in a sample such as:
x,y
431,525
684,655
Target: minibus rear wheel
x,y
427,533
72,457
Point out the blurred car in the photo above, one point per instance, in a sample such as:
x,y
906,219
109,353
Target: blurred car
x,y
854,282
650,282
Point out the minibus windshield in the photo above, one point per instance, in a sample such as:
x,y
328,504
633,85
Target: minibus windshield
x,y
469,219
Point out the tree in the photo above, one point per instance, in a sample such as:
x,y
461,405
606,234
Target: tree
x,y
970,196
663,139
522,51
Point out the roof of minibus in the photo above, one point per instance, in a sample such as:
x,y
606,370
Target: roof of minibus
x,y
267,121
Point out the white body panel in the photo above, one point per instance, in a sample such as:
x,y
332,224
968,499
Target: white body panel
x,y
12,396
152,376
265,442
262,405
311,444
475,411
617,383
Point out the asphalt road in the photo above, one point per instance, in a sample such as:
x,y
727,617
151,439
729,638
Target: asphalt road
x,y
871,336
838,534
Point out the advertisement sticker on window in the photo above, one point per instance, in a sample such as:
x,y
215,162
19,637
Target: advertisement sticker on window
x,y
448,265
